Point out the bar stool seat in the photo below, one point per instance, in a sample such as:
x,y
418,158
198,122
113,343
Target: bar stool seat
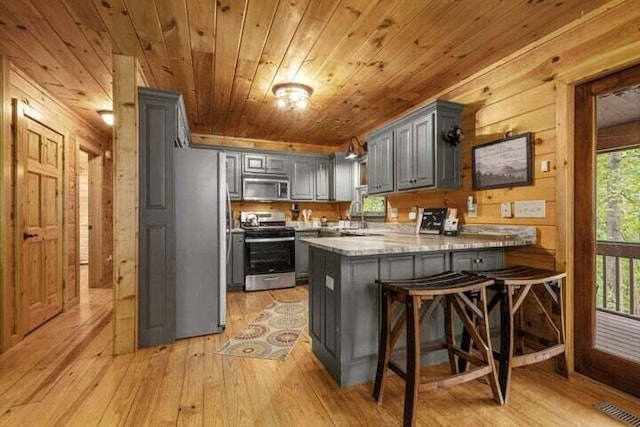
x,y
459,293
514,286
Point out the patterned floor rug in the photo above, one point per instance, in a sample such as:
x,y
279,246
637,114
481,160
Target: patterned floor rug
x,y
272,334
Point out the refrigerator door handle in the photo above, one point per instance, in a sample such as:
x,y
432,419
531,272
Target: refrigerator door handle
x,y
223,223
229,223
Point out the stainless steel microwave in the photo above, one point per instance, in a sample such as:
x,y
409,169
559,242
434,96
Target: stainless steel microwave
x,y
265,189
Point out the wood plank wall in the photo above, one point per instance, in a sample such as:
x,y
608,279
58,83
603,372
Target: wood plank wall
x,y
531,91
75,130
332,210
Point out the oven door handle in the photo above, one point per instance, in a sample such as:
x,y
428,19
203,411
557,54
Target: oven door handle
x,y
270,239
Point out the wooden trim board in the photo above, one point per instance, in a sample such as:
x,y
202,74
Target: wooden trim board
x,y
125,204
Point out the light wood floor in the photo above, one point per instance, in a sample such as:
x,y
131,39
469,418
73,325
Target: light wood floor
x,y
64,374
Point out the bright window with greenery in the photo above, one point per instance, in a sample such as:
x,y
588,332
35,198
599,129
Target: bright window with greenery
x,y
618,220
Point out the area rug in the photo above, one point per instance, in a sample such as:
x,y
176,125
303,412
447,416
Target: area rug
x,y
272,334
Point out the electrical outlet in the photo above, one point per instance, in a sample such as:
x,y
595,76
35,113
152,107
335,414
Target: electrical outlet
x,y
505,210
530,209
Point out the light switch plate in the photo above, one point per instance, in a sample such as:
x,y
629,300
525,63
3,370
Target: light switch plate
x,y
530,209
505,210
544,166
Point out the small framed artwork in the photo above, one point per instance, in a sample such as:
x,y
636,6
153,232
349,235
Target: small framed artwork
x,y
503,163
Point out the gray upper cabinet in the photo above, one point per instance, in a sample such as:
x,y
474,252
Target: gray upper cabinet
x,y
421,158
265,163
414,151
234,175
159,133
380,163
277,164
341,185
323,167
448,156
302,178
404,156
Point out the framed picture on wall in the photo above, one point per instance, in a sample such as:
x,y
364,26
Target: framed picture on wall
x,y
503,163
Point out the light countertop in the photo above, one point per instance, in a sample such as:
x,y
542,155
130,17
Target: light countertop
x,y
396,243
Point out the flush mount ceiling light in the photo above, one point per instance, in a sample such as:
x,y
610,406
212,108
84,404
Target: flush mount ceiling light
x,y
294,96
107,116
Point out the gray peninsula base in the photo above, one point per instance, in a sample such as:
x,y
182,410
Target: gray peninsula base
x,y
344,303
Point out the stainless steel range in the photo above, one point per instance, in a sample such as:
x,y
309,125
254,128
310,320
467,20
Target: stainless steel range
x,y
269,251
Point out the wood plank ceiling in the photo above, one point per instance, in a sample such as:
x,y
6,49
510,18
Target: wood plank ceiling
x,y
366,60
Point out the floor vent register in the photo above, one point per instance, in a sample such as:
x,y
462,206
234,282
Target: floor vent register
x,y
619,413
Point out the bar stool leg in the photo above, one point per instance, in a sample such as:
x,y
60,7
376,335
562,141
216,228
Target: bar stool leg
x,y
485,334
450,335
384,352
506,340
413,361
561,359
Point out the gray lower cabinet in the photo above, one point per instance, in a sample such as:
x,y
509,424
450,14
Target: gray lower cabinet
x,y
235,264
344,303
234,169
487,259
302,255
302,178
323,167
380,163
162,127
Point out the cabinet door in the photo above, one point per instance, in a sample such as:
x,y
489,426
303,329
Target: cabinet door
x,y
430,263
322,179
237,242
278,165
233,176
157,219
424,152
405,157
302,253
341,179
490,259
302,178
464,261
256,163
448,155
380,164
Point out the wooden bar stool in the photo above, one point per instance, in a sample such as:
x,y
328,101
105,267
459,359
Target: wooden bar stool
x,y
513,286
456,292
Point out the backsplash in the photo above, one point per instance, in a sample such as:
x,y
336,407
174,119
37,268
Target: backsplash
x,y
334,211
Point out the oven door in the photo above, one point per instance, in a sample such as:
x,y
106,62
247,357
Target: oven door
x,y
266,255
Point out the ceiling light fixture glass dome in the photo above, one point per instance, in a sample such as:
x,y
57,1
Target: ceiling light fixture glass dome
x,y
292,95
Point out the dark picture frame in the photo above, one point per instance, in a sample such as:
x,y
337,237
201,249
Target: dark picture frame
x,y
503,163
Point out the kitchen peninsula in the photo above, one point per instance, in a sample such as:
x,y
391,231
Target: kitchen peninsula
x,y
344,301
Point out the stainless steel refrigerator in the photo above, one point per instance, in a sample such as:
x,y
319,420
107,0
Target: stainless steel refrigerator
x,y
202,206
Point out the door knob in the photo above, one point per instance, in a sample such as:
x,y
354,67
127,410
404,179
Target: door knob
x,y
26,235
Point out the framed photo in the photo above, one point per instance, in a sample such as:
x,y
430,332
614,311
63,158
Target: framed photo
x,y
503,163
